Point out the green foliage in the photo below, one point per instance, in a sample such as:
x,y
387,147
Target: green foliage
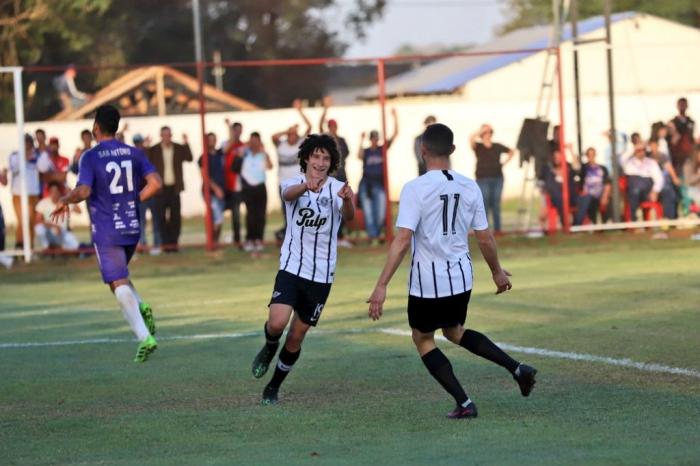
x,y
524,13
114,32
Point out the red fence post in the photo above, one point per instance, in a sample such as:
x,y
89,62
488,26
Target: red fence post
x,y
388,219
566,221
205,159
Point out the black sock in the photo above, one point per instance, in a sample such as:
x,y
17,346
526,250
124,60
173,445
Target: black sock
x,y
479,344
284,365
440,368
271,341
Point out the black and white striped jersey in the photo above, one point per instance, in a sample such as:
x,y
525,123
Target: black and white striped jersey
x,y
440,207
310,247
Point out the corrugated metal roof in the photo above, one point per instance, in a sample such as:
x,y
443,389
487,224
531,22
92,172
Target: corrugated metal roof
x,y
448,75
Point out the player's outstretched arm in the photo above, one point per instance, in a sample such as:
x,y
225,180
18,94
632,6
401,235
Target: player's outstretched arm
x,y
153,185
487,245
348,209
397,251
79,194
294,192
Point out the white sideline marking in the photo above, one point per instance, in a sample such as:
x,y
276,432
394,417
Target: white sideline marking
x,y
642,366
625,362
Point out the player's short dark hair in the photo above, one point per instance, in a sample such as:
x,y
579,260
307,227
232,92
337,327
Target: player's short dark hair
x,y
255,134
319,141
107,119
163,128
683,99
438,139
40,131
84,132
236,125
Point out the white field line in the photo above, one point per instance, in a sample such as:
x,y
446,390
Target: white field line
x,y
642,366
625,362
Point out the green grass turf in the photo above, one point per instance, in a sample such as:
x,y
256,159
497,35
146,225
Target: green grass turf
x,y
356,398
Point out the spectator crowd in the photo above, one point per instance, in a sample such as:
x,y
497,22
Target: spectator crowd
x,y
660,174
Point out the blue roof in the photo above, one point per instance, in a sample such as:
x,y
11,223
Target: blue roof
x,y
449,74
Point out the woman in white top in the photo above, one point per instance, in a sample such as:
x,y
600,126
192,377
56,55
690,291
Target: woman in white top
x,y
256,162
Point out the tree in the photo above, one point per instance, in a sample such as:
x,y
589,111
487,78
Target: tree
x,y
116,32
524,13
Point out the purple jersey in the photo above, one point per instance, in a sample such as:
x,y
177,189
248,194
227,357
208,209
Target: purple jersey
x,y
115,173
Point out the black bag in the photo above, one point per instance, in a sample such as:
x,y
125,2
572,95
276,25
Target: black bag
x,y
237,164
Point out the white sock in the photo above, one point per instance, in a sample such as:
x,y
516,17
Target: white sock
x,y
130,308
466,403
136,293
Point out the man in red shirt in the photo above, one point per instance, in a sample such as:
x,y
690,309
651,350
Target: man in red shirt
x,y
233,148
58,169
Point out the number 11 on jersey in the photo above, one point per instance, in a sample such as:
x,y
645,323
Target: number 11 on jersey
x,y
445,198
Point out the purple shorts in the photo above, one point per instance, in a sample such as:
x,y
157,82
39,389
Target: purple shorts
x,y
114,261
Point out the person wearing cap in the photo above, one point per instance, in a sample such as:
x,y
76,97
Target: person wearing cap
x,y
343,150
489,170
32,182
417,142
372,189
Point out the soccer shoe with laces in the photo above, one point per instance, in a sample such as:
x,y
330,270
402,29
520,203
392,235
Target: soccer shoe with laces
x,y
147,314
262,361
146,347
526,379
269,396
463,412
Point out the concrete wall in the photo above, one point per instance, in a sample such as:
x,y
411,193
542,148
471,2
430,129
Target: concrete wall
x,y
635,113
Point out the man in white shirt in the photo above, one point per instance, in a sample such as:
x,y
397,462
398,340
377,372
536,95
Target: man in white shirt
x,y
316,203
436,212
35,164
49,234
287,143
644,178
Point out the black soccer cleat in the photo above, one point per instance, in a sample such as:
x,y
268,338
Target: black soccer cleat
x,y
262,361
269,396
526,379
463,413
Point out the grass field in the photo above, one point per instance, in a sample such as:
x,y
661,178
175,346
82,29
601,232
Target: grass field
x,y
357,396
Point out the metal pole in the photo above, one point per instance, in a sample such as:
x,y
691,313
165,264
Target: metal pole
x,y
382,104
566,221
613,131
199,58
22,154
577,90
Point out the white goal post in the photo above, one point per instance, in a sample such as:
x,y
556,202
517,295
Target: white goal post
x,y
16,72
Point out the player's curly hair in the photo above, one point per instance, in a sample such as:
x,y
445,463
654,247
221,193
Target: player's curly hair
x,y
319,141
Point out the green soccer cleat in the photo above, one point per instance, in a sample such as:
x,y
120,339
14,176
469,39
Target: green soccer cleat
x,y
147,314
146,347
270,396
262,361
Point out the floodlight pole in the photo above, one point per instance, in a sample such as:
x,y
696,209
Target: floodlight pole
x,y
577,88
388,218
611,104
199,58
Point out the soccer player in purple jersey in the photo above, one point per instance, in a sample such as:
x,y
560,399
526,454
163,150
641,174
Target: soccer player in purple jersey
x,y
115,178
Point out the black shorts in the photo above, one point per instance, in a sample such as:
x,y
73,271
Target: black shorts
x,y
430,314
306,297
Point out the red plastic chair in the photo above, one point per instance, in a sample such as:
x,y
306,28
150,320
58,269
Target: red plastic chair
x,y
646,206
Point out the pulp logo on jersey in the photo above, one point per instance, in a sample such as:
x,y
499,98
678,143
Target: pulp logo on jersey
x,y
305,220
